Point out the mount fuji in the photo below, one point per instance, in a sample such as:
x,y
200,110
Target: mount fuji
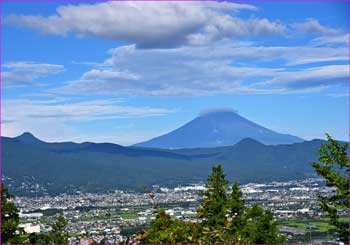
x,y
218,128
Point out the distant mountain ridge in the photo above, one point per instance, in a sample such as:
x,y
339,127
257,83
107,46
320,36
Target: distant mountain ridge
x,y
29,138
94,167
215,129
67,147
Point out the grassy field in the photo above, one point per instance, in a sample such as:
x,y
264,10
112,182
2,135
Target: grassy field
x,y
129,215
315,230
309,225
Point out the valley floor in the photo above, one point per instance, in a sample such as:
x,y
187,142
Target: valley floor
x,y
119,214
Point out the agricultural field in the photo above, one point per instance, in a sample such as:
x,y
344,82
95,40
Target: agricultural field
x,y
309,230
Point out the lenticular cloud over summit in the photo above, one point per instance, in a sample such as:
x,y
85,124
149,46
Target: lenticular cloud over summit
x,y
213,110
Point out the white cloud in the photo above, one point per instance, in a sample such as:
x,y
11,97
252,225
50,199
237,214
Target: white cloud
x,y
342,39
315,77
225,27
152,24
210,110
16,109
18,74
108,75
313,27
338,95
54,119
206,70
165,72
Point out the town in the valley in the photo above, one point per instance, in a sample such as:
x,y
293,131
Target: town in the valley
x,y
119,215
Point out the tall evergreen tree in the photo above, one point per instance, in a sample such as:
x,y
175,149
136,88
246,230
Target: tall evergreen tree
x,y
225,219
260,228
213,209
10,232
236,209
334,166
165,230
58,234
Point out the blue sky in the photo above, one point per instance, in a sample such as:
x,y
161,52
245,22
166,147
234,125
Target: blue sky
x,y
125,72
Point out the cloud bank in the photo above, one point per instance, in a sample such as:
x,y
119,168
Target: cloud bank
x,y
152,24
224,68
17,74
54,119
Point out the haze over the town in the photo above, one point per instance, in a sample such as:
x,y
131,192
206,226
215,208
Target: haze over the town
x,y
126,72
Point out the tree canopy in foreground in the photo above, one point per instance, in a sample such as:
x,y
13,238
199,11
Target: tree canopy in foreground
x,y
11,233
334,166
222,217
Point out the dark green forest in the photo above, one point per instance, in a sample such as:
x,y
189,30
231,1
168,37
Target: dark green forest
x,y
222,216
67,166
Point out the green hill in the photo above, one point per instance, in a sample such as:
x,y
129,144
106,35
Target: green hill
x,y
98,167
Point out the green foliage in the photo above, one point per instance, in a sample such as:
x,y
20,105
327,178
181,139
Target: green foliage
x,y
236,209
259,227
35,238
103,241
225,219
10,232
58,235
165,230
334,166
213,210
58,163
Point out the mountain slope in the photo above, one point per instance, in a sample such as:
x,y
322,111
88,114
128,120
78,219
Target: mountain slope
x,y
218,128
28,138
94,167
